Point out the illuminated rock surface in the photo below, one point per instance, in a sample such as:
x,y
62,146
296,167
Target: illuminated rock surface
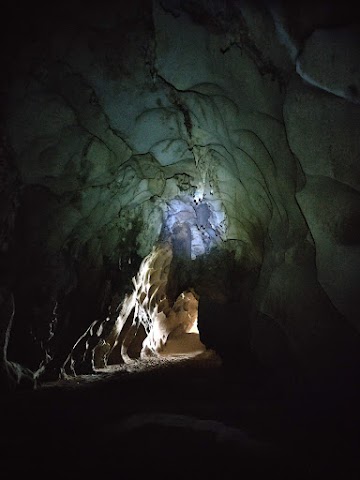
x,y
227,131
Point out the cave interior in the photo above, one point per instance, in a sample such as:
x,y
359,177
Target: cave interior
x,y
180,238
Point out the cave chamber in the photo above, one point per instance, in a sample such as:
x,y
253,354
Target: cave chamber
x,y
180,180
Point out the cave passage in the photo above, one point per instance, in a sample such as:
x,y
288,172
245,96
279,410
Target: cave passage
x,y
211,128
180,186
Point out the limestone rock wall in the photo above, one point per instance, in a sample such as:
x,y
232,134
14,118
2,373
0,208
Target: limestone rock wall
x,y
250,108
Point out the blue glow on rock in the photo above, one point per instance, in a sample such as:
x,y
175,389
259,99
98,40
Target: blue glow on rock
x,y
203,222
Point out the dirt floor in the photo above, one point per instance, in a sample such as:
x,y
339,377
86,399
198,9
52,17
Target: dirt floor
x,y
176,417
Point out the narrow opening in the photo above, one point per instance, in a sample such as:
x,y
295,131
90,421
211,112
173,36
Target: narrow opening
x,y
151,323
159,318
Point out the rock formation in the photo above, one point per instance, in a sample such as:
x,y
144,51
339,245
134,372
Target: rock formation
x,y
228,128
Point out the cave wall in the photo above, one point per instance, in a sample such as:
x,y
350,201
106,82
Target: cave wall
x,y
112,112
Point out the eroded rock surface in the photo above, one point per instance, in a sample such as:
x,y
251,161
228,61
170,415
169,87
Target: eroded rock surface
x,y
213,123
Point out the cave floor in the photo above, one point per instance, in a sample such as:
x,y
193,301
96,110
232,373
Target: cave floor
x,y
175,417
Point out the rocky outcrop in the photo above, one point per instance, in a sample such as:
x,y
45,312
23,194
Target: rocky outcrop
x,y
330,61
12,374
149,308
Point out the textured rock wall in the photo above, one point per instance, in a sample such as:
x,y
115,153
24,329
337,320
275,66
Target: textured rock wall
x,y
116,114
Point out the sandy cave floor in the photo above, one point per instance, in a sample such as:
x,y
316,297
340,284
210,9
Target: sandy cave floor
x,y
171,417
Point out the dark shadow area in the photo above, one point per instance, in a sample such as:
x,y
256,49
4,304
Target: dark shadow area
x,y
192,418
